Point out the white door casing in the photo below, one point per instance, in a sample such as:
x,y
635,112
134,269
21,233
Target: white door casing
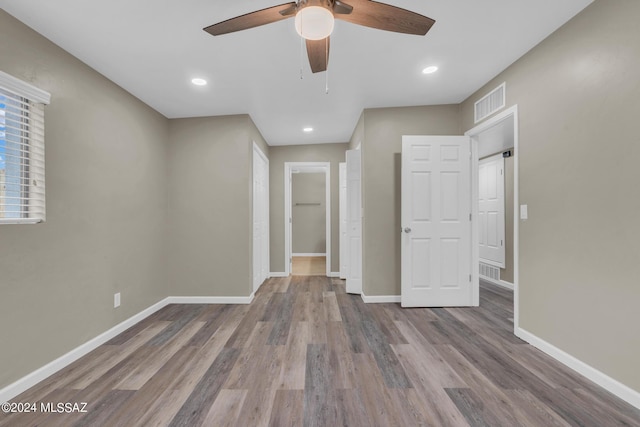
x,y
266,256
510,114
256,232
260,217
342,170
354,222
436,248
289,168
491,211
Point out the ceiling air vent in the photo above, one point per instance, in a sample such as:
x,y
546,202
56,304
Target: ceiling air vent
x,y
490,103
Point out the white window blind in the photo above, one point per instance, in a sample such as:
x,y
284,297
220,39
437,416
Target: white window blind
x,y
22,189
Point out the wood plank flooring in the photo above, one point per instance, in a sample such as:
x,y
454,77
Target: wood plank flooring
x,y
305,353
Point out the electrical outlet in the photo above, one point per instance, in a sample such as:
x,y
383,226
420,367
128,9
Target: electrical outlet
x,y
116,300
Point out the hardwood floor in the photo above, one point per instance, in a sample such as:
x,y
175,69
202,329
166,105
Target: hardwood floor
x,y
306,353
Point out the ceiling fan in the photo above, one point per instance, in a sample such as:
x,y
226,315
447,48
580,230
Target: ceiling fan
x,y
314,21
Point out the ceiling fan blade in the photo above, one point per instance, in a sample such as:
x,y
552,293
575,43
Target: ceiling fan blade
x,y
341,8
318,53
291,10
382,16
251,20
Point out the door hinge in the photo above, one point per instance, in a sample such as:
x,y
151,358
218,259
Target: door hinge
x,y
289,220
469,217
501,243
469,277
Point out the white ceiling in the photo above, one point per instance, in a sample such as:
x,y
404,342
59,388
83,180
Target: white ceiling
x,y
153,48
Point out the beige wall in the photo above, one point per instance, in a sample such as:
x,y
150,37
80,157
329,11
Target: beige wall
x,y
210,205
577,94
106,174
308,213
278,155
381,149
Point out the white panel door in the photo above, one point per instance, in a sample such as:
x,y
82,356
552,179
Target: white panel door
x,y
343,219
354,222
491,210
436,221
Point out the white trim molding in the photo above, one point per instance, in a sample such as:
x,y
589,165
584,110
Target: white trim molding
x,y
507,285
12,390
278,274
301,167
615,387
378,299
512,114
309,254
22,88
334,274
500,283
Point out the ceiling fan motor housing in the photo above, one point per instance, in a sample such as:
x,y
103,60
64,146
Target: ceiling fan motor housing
x,y
327,4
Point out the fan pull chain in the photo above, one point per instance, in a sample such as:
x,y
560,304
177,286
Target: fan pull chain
x,y
326,73
301,48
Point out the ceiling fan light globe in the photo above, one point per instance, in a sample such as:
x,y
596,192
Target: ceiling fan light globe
x,y
314,23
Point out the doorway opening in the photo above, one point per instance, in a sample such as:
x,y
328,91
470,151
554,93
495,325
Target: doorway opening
x,y
495,143
308,218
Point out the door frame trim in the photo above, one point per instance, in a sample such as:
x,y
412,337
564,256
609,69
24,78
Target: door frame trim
x,y
257,151
510,113
289,167
342,217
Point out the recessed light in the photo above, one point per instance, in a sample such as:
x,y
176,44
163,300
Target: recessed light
x,y
199,82
430,70
307,130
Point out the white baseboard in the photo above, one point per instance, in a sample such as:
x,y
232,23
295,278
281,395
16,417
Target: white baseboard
x,y
501,283
309,254
334,274
278,274
507,285
29,380
615,387
375,299
211,300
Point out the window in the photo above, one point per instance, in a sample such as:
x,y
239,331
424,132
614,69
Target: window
x,y
22,195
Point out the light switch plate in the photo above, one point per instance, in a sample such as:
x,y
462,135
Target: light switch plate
x,y
524,214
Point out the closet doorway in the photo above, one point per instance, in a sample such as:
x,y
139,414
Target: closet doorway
x,y
308,218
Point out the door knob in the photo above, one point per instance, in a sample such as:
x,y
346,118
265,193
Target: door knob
x,y
407,230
